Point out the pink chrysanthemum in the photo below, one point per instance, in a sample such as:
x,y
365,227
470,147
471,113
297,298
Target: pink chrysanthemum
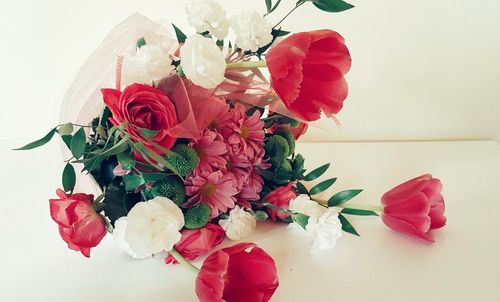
x,y
251,189
215,188
211,150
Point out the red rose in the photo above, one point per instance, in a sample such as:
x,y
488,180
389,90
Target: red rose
x,y
415,207
79,224
241,273
280,197
197,242
307,72
296,131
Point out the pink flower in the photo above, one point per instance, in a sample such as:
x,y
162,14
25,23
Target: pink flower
x,y
280,197
215,188
415,207
251,190
240,273
244,134
79,224
197,242
210,149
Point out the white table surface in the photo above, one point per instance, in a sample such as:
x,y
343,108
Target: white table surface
x,y
463,265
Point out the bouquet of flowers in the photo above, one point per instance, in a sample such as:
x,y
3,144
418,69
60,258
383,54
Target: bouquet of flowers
x,y
195,143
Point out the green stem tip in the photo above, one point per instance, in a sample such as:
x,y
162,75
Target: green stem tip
x,y
246,65
183,261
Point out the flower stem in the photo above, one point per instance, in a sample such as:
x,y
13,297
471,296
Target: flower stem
x,y
290,12
246,65
183,261
368,207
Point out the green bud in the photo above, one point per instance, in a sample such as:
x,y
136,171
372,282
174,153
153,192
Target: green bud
x,y
197,216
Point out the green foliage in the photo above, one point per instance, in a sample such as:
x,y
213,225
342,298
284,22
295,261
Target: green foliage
x,y
68,178
117,203
342,197
277,149
65,129
316,172
322,186
301,189
289,139
171,187
347,226
260,215
78,142
67,140
183,159
125,159
133,181
301,219
270,7
141,42
40,142
298,167
358,212
332,6
197,216
181,37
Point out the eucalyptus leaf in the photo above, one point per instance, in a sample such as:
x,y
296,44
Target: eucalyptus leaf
x,y
358,212
300,219
301,189
322,186
342,197
347,226
68,178
316,172
77,145
40,142
181,37
332,6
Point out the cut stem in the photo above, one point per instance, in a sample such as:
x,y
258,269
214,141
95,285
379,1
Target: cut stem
x,y
246,65
183,261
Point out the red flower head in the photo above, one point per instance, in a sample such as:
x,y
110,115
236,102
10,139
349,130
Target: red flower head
x,y
79,224
241,273
197,242
280,197
415,207
307,72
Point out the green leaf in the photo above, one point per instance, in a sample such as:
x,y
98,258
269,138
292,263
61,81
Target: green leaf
x,y
260,215
275,6
125,159
269,5
358,212
316,172
300,219
301,189
68,178
322,186
281,33
220,43
181,37
147,133
149,177
133,181
67,140
40,142
342,197
118,202
332,6
141,42
77,145
347,226
65,129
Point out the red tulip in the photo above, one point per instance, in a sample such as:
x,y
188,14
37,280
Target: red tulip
x,y
307,72
79,224
197,242
415,207
280,197
241,273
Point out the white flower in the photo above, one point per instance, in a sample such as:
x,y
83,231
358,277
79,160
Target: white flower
x,y
119,236
324,231
202,61
150,64
153,226
208,15
303,204
239,225
252,31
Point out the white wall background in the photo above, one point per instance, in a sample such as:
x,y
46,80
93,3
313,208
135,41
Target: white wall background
x,y
427,69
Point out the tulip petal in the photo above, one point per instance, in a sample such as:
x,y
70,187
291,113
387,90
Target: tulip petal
x,y
404,227
406,190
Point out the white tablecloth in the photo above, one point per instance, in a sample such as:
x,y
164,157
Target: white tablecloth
x,y
463,265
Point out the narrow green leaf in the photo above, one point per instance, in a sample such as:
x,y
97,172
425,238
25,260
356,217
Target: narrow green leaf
x,y
65,129
181,37
148,177
281,33
125,159
132,181
269,5
301,189
300,219
342,197
260,215
275,6
316,172
78,142
67,140
147,133
141,42
358,212
40,142
332,6
322,186
68,178
347,226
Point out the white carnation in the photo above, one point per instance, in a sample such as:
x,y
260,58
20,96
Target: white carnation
x,y
202,61
324,231
239,225
153,226
151,63
208,15
252,31
303,204
119,236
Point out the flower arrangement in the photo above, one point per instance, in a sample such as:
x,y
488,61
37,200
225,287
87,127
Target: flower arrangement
x,y
195,144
